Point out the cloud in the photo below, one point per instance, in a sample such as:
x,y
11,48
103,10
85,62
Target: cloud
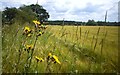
x,y
78,10
8,4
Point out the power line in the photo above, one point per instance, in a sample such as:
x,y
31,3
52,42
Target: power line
x,y
106,15
116,3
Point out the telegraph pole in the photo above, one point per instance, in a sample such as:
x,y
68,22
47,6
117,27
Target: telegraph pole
x,y
105,16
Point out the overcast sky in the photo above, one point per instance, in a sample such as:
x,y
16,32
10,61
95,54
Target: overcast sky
x,y
77,10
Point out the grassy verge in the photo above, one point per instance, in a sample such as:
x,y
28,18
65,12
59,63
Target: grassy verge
x,y
73,45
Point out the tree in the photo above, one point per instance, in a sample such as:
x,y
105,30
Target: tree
x,y
91,23
42,14
9,14
24,14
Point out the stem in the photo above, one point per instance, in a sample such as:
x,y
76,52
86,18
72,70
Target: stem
x,y
92,41
20,51
96,38
80,32
101,52
48,70
32,52
77,34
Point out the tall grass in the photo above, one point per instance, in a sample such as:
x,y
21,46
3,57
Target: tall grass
x,y
64,42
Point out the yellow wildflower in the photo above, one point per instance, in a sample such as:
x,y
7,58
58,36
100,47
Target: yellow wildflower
x,y
29,47
27,29
55,59
40,33
36,22
39,59
49,56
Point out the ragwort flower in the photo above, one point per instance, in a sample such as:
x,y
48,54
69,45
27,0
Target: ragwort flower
x,y
39,59
49,56
28,48
36,22
55,59
27,31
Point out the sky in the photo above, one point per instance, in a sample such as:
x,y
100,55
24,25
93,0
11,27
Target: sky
x,y
73,10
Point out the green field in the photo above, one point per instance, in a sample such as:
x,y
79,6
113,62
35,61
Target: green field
x,y
80,49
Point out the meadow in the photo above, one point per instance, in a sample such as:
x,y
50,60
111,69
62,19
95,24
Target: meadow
x,y
79,49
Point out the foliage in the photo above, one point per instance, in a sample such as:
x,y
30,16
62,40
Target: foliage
x,y
42,14
91,23
9,14
24,14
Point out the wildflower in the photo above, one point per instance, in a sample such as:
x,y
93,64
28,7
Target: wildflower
x,y
42,26
39,59
55,59
27,31
40,33
29,47
49,56
36,22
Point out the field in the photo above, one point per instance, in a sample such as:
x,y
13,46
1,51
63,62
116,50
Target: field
x,y
80,49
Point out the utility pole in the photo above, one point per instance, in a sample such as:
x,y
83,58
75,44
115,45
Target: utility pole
x,y
105,16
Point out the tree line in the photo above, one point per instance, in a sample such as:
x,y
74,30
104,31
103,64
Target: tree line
x,y
88,23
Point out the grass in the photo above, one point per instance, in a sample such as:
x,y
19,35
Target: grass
x,y
73,45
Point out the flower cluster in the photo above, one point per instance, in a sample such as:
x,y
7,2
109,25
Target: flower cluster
x,y
27,31
37,31
53,58
28,48
36,22
39,27
40,33
39,59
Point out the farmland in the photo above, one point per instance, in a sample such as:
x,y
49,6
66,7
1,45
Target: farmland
x,y
80,49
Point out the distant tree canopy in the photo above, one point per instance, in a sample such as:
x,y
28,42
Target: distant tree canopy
x,y
9,14
24,14
91,23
